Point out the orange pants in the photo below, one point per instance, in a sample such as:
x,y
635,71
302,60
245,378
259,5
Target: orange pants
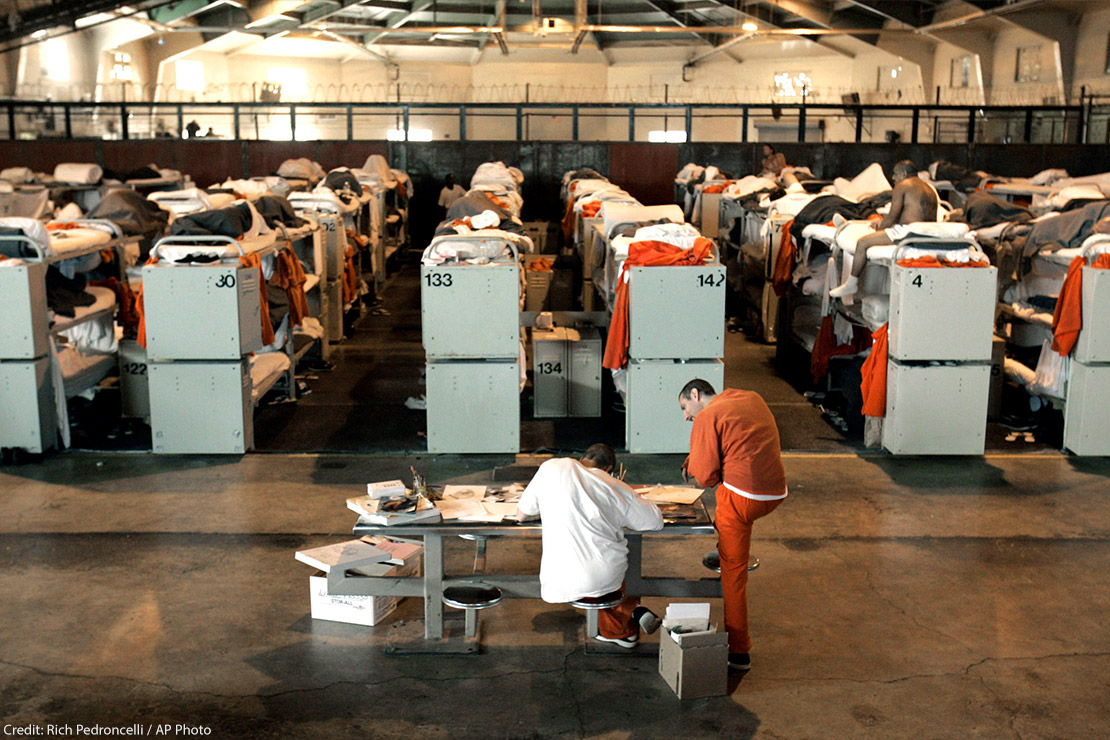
x,y
733,520
618,622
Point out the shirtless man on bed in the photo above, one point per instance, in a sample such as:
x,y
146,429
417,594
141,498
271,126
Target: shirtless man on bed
x,y
911,201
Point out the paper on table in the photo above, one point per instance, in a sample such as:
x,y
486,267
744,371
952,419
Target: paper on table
x,y
461,502
671,494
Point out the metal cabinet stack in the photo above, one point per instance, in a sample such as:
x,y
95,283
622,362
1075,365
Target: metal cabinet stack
x,y
26,387
471,333
202,323
940,334
676,333
566,372
1086,423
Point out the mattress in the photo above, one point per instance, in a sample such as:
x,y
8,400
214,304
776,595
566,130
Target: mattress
x,y
322,201
266,368
105,299
82,371
311,281
71,241
178,251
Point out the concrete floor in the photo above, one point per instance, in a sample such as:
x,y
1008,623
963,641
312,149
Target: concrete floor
x,y
897,598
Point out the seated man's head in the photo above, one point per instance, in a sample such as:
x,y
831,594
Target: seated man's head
x,y
902,170
600,456
768,150
694,397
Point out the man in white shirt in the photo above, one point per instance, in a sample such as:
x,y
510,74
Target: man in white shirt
x,y
450,193
585,511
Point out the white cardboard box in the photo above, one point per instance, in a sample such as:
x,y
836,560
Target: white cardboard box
x,y
352,609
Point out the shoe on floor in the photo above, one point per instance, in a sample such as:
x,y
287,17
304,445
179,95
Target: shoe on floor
x,y
624,642
740,661
648,620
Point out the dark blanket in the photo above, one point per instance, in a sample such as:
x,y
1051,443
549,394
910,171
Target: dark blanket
x,y
983,209
133,213
278,210
471,205
339,180
585,173
63,294
233,221
960,177
1066,230
821,210
143,173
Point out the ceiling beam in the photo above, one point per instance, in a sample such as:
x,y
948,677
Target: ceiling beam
x,y
418,6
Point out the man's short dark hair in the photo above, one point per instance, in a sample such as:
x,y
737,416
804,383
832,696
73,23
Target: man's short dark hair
x,y
601,456
702,386
904,169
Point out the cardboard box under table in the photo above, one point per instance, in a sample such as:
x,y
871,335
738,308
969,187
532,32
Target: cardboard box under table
x,y
366,610
694,664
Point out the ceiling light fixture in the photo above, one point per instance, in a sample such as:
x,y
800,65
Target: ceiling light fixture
x,y
749,26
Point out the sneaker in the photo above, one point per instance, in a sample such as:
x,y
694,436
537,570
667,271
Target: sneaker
x,y
624,642
740,661
648,620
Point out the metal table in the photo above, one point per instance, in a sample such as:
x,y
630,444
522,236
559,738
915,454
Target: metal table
x,y
691,519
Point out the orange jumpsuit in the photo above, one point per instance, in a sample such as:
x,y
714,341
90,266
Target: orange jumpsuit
x,y
734,445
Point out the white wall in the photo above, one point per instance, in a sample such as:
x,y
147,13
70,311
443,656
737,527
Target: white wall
x,y
1006,90
1090,52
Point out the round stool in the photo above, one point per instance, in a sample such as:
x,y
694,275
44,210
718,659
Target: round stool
x,y
593,604
712,561
472,597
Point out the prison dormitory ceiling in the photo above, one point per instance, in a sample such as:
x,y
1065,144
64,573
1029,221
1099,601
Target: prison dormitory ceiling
x,y
707,27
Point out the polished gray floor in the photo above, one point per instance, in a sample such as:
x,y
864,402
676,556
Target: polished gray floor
x,y
896,598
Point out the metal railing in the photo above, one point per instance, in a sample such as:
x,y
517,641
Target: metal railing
x,y
548,121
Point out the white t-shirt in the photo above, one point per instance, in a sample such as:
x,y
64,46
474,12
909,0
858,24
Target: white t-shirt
x,y
584,513
448,196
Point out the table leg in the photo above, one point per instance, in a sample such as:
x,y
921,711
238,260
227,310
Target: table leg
x,y
433,587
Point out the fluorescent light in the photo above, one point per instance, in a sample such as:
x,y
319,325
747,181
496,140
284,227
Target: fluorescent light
x,y
749,26
667,137
415,134
38,34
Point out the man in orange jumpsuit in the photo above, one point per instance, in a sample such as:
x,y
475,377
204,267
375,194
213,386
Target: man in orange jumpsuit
x,y
734,445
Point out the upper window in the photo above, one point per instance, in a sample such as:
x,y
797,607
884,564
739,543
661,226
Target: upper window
x,y
293,80
190,75
121,67
961,72
1028,64
55,60
792,84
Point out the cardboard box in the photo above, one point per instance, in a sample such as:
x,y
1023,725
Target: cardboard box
x,y
537,284
365,610
695,664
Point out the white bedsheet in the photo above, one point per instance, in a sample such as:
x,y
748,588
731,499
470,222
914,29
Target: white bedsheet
x,y
483,244
322,199
265,368
174,252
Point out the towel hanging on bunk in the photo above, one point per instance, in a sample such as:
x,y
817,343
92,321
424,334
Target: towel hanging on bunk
x,y
253,260
289,276
784,263
873,385
644,254
1067,319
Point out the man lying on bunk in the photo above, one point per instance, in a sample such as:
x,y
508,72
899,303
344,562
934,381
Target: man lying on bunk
x,y
912,200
